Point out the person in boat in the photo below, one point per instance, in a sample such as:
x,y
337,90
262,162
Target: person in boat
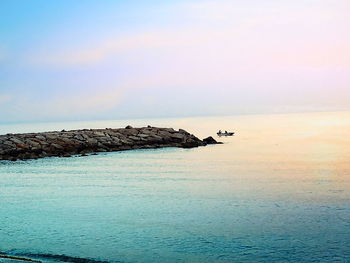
x,y
219,132
226,132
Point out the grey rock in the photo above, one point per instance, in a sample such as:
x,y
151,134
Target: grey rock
x,y
40,137
80,137
89,141
57,146
15,140
210,140
183,131
143,135
178,135
32,144
134,138
102,134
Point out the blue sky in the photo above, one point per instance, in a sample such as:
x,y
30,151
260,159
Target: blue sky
x,y
81,60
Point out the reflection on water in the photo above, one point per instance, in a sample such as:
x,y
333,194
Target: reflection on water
x,y
278,191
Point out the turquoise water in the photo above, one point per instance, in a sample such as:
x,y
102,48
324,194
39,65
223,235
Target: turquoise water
x,y
278,191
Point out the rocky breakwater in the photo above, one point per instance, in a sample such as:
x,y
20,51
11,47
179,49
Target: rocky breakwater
x,y
81,142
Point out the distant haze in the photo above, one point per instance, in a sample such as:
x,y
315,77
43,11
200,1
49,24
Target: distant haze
x,y
80,60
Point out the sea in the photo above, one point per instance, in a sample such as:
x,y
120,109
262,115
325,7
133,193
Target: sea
x,y
276,191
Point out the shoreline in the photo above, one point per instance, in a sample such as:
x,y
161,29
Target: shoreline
x,y
23,146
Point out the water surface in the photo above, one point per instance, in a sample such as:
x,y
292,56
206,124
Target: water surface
x,y
278,191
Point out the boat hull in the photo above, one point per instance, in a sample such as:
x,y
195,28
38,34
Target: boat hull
x,y
225,134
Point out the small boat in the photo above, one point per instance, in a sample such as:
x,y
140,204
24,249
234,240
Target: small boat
x,y
220,133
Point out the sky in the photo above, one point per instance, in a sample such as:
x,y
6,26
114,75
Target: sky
x,y
108,59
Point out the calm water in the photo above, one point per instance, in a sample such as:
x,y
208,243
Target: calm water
x,y
278,191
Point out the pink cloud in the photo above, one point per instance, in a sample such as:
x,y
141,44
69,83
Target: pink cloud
x,y
4,98
67,105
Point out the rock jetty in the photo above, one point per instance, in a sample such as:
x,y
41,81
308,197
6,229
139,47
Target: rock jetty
x,y
81,142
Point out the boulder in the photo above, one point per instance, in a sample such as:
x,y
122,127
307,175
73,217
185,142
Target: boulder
x,y
210,140
183,132
17,141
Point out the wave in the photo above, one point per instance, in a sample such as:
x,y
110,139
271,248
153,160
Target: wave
x,y
3,255
33,257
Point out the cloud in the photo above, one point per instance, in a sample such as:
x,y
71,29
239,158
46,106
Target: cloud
x,y
64,106
4,98
230,33
226,46
150,40
247,53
